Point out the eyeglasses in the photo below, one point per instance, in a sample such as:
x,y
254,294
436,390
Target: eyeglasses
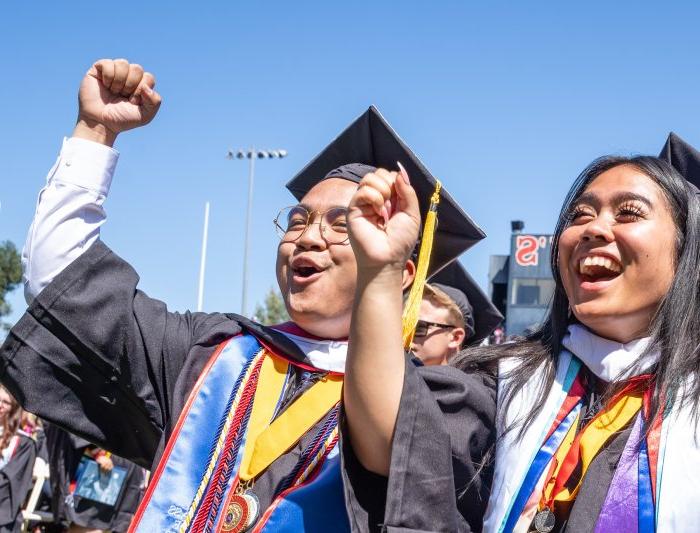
x,y
291,223
422,327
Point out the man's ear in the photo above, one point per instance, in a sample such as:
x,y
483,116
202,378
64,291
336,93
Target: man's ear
x,y
457,339
409,274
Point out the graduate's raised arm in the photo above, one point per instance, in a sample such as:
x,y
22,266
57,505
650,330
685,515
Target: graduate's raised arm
x,y
92,353
384,220
115,96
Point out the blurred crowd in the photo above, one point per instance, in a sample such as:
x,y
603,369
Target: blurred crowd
x,y
53,481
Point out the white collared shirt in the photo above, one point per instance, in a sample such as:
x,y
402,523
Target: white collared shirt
x,y
69,212
324,354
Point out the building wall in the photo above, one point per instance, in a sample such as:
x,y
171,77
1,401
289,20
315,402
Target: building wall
x,y
498,281
530,282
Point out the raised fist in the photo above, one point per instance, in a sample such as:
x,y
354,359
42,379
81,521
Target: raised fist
x,y
116,96
384,220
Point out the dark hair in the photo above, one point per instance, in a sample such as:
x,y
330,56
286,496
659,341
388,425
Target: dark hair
x,y
10,423
674,329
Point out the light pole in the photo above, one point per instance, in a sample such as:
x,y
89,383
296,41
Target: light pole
x,y
203,262
252,154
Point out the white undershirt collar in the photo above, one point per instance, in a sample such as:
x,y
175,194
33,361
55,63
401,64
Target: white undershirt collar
x,y
324,354
609,360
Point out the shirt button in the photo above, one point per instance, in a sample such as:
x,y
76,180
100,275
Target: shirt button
x,y
68,163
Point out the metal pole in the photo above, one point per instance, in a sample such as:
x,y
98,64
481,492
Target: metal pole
x,y
251,174
202,264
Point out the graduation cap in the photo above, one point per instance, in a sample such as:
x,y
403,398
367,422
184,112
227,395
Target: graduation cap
x,y
372,142
684,158
481,316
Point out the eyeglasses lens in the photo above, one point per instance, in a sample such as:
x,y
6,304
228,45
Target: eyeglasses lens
x,y
291,222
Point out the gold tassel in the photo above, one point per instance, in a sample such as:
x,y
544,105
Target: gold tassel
x,y
411,309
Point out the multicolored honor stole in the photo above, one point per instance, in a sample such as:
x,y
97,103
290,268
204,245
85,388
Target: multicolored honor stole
x,y
229,432
566,455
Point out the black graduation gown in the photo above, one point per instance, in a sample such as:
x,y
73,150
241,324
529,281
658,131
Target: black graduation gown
x,y
65,453
15,482
442,410
98,357
444,430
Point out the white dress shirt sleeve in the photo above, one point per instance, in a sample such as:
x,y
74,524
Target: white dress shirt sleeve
x,y
69,212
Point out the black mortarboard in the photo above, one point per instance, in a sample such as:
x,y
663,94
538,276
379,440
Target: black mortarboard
x,y
684,158
370,142
476,307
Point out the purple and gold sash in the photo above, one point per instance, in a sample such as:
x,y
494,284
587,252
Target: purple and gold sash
x,y
629,504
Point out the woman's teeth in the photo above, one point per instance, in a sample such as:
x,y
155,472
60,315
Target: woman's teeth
x,y
587,265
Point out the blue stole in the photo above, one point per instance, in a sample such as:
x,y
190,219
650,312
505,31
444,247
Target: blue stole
x,y
179,483
544,455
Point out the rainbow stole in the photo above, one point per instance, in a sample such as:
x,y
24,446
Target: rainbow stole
x,y
201,460
630,501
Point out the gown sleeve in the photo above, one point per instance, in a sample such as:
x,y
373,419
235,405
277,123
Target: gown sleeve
x,y
15,482
98,357
439,474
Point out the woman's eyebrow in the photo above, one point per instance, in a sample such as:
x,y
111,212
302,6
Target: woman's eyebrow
x,y
618,198
628,196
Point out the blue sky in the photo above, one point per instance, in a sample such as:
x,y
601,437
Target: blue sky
x,y
504,103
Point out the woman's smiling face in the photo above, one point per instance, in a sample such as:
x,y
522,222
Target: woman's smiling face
x,y
617,255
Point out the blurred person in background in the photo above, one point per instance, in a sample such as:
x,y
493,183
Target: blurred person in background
x,y
84,514
17,454
454,313
440,330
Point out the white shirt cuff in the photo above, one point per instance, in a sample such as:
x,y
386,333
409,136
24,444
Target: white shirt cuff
x,y
86,164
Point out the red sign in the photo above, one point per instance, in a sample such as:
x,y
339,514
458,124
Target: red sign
x,y
526,250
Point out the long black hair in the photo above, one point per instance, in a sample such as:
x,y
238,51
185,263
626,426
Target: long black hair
x,y
674,329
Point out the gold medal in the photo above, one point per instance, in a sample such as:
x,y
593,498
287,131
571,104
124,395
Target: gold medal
x,y
266,441
241,513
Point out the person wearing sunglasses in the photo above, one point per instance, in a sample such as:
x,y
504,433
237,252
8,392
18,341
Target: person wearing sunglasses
x,y
440,331
454,313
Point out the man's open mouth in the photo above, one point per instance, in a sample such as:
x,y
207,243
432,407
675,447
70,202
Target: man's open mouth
x,y
305,271
595,268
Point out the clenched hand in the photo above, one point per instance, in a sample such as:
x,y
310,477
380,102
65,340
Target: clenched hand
x,y
115,96
384,220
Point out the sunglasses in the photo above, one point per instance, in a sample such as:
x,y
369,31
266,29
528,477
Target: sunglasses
x,y
422,327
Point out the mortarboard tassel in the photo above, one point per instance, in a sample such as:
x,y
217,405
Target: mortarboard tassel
x,y
412,307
